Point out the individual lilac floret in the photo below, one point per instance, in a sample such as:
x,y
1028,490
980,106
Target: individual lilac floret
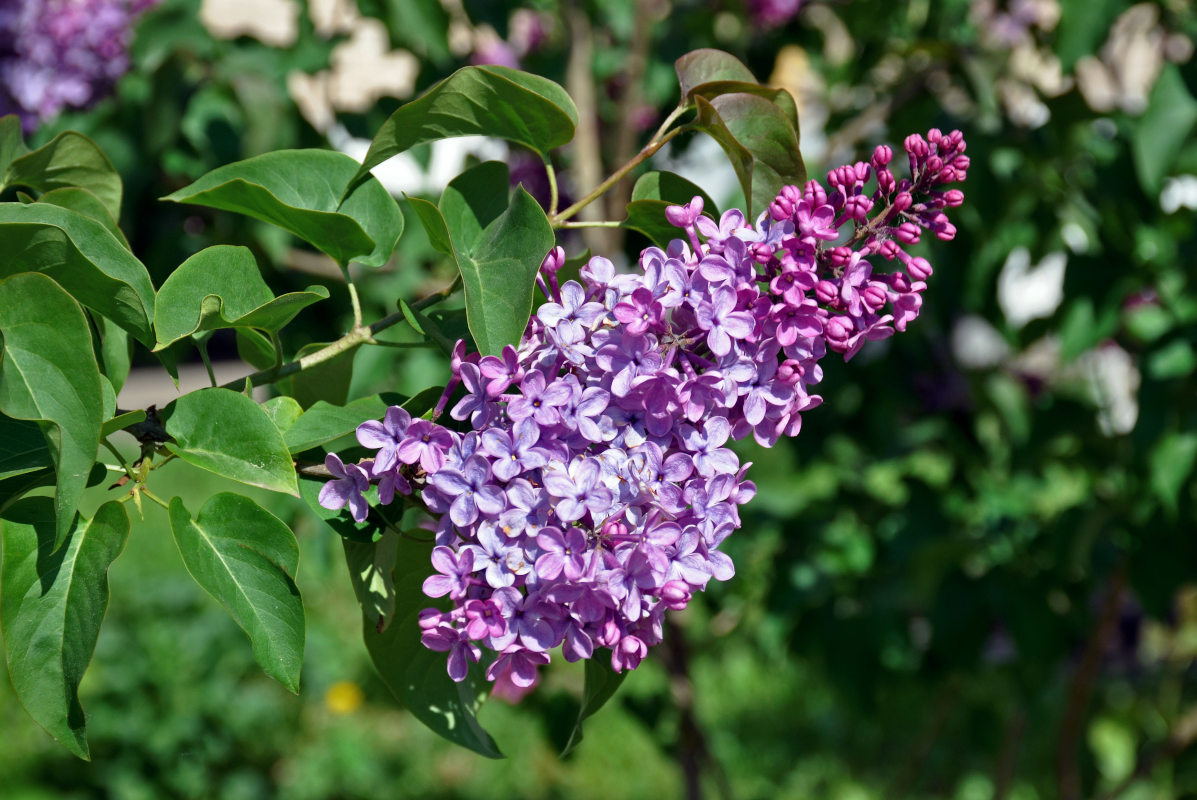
x,y
594,489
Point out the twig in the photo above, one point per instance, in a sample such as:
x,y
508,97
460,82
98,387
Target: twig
x,y
1068,775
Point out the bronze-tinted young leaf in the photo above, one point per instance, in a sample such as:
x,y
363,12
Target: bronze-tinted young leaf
x,y
489,101
760,142
308,193
48,374
69,159
707,65
52,602
779,97
83,258
246,558
652,194
601,685
220,287
416,675
225,432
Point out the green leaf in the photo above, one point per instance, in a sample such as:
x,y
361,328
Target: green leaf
x,y
121,422
220,287
48,374
69,159
601,684
301,192
434,225
246,558
325,422
1163,130
652,194
12,143
498,250
707,65
427,327
84,202
372,574
1171,462
283,411
416,675
14,488
116,352
327,381
759,140
489,101
52,602
23,448
255,349
83,257
225,432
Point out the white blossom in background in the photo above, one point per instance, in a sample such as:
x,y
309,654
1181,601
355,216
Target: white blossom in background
x,y
1027,292
1179,192
404,173
273,22
1114,380
976,344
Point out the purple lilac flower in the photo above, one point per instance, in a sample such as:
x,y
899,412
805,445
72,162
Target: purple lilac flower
x,y
595,488
57,54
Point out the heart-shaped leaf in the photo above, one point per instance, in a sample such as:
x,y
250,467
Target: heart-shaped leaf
x,y
83,258
69,159
489,101
48,374
225,432
758,139
83,201
498,245
246,558
52,602
652,194
601,685
416,675
301,191
220,287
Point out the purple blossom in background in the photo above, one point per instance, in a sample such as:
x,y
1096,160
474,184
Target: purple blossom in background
x,y
773,13
596,487
57,54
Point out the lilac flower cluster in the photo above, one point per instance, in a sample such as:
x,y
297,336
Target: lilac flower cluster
x,y
56,54
595,488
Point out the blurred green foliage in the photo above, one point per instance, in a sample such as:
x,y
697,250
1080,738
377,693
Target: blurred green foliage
x,y
964,579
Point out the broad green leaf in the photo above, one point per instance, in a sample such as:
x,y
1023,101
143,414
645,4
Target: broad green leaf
x,y
12,143
23,448
327,381
48,374
301,192
652,194
246,558
255,349
371,572
760,142
83,257
1171,462
1163,130
778,97
121,422
69,159
434,224
421,26
82,201
115,352
221,287
473,200
225,432
283,411
52,602
325,422
498,269
489,101
417,676
601,685
14,488
427,327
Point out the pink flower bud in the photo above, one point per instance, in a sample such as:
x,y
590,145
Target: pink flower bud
x,y
861,171
839,256
554,261
899,282
903,201
675,594
791,372
889,249
919,268
882,155
953,197
838,329
826,292
946,233
907,233
873,296
684,216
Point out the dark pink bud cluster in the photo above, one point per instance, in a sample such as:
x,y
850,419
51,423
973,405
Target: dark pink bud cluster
x,y
595,488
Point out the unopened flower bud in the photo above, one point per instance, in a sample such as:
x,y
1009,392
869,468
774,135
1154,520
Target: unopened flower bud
x,y
903,201
675,594
919,268
554,261
908,233
826,292
873,296
882,155
953,198
838,329
684,216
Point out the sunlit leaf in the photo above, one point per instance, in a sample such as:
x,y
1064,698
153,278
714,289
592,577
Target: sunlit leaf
x,y
69,159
